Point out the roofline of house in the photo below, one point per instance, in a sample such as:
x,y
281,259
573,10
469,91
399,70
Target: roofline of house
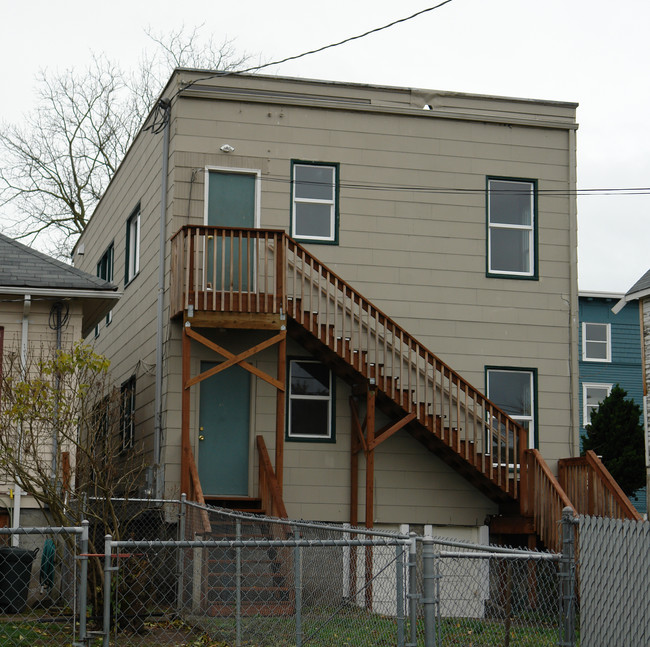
x,y
374,86
601,295
61,292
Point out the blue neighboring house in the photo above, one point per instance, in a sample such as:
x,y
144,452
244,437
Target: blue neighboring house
x,y
610,353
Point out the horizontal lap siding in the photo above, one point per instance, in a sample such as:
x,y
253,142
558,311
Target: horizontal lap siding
x,y
129,340
626,365
418,254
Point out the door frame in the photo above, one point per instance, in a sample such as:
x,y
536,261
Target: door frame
x,y
257,173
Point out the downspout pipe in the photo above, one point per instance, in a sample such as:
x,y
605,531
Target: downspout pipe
x,y
24,341
165,104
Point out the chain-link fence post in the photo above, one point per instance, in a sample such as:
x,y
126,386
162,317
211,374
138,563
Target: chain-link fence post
x,y
83,581
297,569
180,567
567,579
413,591
399,593
238,576
429,599
107,590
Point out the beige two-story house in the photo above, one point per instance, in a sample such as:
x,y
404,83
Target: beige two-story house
x,y
356,302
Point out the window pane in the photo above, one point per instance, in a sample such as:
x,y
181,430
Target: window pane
x,y
313,219
310,418
596,350
511,202
314,182
310,378
509,250
596,332
595,395
511,390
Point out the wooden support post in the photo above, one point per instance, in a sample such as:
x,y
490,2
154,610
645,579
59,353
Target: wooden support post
x,y
185,414
280,405
370,486
355,447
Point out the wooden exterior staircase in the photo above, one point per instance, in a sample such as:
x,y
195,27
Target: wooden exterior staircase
x,y
264,278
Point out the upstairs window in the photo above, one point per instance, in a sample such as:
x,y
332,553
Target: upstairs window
x,y
127,413
132,253
314,212
310,401
105,271
592,396
511,230
596,342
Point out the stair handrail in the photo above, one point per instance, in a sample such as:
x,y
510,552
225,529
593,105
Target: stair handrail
x,y
593,489
270,493
496,418
196,494
544,499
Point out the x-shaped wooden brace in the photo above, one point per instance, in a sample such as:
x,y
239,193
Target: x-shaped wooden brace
x,y
232,359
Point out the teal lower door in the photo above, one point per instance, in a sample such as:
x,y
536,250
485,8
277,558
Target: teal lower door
x,y
224,424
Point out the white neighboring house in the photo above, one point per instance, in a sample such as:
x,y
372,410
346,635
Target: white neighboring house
x,y
44,304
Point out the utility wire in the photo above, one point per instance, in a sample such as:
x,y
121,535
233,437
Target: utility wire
x,y
313,51
473,191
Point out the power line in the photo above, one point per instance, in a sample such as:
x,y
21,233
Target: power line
x,y
313,51
441,190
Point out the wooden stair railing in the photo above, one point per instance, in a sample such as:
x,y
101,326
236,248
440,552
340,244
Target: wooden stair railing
x,y
226,269
543,499
223,269
406,371
592,488
196,494
268,484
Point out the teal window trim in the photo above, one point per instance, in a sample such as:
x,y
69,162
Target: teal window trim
x,y
105,272
132,248
318,240
533,275
331,438
127,413
535,407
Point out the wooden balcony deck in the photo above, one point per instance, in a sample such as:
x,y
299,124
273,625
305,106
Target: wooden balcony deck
x,y
232,278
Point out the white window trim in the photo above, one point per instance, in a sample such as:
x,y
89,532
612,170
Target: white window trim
x,y
226,169
331,203
530,228
321,398
608,342
586,419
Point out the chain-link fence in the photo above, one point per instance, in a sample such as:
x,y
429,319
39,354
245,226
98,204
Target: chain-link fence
x,y
43,585
193,576
614,582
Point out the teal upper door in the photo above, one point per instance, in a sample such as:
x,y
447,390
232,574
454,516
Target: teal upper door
x,y
231,203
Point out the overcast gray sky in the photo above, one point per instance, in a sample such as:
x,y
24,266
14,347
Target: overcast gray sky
x,y
594,52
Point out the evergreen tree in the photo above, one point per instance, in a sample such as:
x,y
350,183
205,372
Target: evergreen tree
x,y
616,434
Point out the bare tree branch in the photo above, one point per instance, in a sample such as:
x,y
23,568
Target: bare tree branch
x,y
55,167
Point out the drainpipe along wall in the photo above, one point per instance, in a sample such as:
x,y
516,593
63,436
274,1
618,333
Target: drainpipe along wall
x,y
24,339
165,104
